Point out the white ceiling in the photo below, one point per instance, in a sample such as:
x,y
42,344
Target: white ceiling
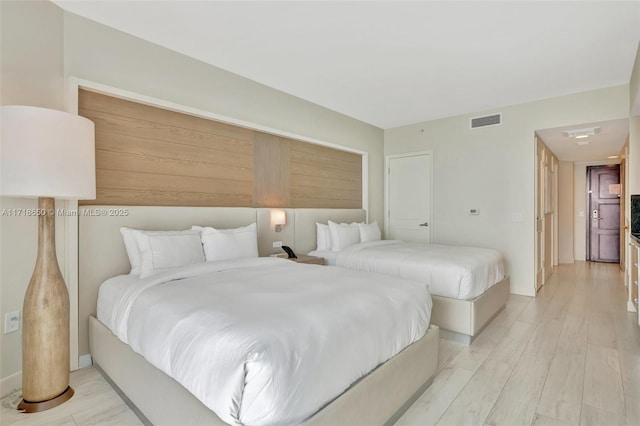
x,y
609,141
394,63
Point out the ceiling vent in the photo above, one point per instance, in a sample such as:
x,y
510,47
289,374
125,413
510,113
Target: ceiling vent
x,y
489,120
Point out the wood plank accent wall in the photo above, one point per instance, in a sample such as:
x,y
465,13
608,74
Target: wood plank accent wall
x,y
323,177
272,176
151,156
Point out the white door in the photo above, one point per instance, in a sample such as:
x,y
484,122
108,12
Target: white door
x,y
409,198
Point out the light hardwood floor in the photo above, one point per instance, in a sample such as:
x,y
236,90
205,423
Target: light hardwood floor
x,y
569,356
94,403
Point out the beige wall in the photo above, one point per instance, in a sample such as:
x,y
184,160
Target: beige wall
x,y
31,74
42,45
634,86
634,154
565,212
97,53
492,169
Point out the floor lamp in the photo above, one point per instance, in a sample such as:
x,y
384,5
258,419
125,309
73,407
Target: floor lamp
x,y
46,154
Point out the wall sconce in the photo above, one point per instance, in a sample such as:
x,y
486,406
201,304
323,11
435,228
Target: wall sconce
x,y
278,219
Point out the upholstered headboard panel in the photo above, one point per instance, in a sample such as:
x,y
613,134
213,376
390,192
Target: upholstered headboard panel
x,y
102,253
267,234
305,224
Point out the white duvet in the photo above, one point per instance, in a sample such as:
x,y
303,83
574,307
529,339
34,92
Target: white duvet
x,y
450,271
265,341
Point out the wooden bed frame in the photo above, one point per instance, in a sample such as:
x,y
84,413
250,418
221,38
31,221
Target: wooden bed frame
x,y
459,320
378,398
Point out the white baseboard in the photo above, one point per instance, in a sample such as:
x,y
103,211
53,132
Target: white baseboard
x,y
10,383
85,361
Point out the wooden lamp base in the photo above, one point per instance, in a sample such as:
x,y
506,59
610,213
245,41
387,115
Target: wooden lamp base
x,y
34,407
45,333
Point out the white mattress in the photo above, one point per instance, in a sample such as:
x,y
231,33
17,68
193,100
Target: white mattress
x,y
265,341
449,271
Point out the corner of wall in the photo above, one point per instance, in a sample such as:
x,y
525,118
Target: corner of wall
x,y
31,73
634,86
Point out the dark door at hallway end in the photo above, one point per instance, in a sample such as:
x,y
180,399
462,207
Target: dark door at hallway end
x,y
603,229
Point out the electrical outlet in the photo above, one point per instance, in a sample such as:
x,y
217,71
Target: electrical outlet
x,y
277,244
12,322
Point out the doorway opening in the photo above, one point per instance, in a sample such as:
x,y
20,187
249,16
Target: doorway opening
x,y
603,207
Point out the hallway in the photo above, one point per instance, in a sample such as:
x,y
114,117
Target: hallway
x,y
569,356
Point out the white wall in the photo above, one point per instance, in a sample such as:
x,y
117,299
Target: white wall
x,y
31,74
634,86
42,46
101,54
565,212
492,169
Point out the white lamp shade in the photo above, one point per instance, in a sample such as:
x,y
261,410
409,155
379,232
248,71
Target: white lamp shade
x,y
278,217
46,153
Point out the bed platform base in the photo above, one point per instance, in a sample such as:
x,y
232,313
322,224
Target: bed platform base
x,y
463,320
378,398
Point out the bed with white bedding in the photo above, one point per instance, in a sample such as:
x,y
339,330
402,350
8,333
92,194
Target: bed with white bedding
x,y
450,271
265,341
469,285
331,375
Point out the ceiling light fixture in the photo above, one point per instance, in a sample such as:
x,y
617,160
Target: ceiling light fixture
x,y
582,133
581,143
612,156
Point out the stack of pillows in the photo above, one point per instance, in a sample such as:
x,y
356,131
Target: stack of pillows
x,y
337,236
151,252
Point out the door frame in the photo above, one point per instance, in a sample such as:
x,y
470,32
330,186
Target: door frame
x,y
387,189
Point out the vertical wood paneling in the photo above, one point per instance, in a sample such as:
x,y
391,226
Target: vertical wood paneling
x,y
152,156
272,171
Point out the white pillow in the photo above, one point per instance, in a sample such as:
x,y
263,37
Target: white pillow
x,y
132,249
161,250
343,235
370,232
323,236
227,244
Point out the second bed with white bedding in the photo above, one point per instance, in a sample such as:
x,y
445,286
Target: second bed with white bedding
x,y
265,341
450,271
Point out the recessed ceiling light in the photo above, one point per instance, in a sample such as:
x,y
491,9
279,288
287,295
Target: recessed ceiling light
x,y
582,133
612,156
